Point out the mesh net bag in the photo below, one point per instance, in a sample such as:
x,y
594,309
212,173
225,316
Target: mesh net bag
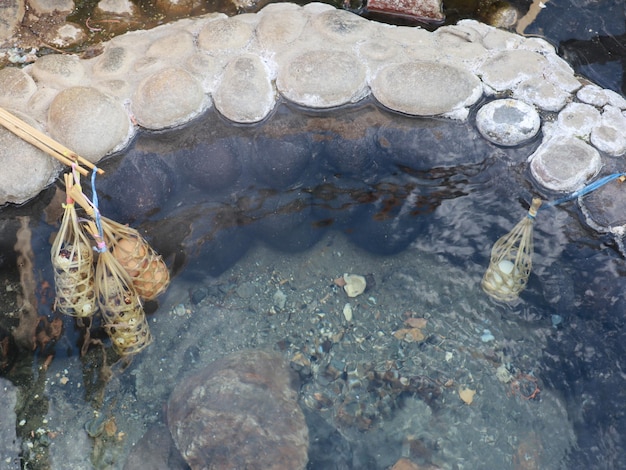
x,y
147,270
72,260
123,315
145,266
511,260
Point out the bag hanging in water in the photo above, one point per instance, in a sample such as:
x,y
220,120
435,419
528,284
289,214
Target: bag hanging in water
x,y
511,259
72,260
122,312
146,268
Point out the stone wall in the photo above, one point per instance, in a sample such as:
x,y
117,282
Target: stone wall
x,y
318,57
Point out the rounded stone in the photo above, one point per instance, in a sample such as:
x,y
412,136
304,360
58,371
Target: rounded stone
x,y
16,86
281,161
177,45
240,411
564,163
63,70
341,26
425,88
26,170
210,166
578,119
605,207
508,122
225,34
322,78
609,136
115,60
139,187
245,93
280,25
508,68
167,98
88,122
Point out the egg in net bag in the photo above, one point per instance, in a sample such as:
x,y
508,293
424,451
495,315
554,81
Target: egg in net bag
x,y
145,267
72,261
122,312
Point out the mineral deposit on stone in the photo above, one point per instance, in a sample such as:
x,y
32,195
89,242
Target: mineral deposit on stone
x,y
18,185
508,68
564,163
605,208
508,122
280,25
578,119
16,86
239,412
225,34
177,45
58,69
426,88
340,26
322,79
89,122
168,98
245,93
609,136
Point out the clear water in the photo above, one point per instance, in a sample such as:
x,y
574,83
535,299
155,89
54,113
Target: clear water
x,y
289,206
416,208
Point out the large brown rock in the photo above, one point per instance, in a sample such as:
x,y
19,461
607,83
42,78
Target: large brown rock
x,y
240,412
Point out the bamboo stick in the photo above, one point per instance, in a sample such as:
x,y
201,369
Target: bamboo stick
x,y
43,142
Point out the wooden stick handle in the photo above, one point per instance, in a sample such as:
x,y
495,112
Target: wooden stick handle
x,y
76,193
43,142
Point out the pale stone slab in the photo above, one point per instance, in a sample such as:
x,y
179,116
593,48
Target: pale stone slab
x,y
245,93
63,70
167,98
542,93
178,45
425,88
322,79
88,122
609,136
593,94
16,87
508,68
279,27
578,119
116,60
564,163
340,26
508,122
225,34
26,170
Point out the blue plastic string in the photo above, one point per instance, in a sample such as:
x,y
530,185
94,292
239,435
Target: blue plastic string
x,y
586,190
101,246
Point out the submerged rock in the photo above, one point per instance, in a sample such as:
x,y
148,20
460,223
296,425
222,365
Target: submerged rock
x,y
240,412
